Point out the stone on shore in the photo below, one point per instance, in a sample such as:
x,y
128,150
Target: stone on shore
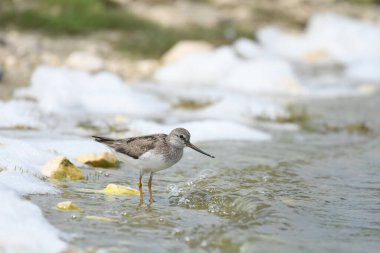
x,y
61,168
184,48
85,61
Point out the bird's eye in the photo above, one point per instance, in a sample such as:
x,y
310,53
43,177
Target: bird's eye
x,y
181,136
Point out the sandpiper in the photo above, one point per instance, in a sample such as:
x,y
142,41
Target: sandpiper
x,y
151,153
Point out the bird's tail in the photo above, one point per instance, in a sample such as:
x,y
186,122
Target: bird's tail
x,y
104,140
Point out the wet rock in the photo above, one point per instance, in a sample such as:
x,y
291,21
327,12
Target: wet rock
x,y
120,189
104,160
185,48
113,189
60,168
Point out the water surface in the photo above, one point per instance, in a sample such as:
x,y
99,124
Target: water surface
x,y
313,190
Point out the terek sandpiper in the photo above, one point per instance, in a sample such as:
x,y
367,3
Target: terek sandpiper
x,y
151,153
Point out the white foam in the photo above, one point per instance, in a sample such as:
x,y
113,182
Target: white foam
x,y
220,104
19,155
229,107
224,67
24,183
366,70
30,155
217,103
23,227
241,108
263,75
207,130
328,38
71,148
290,46
200,69
18,113
67,91
247,48
267,109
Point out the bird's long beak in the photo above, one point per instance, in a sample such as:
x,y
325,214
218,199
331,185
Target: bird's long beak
x,y
197,149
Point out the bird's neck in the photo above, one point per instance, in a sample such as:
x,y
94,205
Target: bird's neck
x,y
174,143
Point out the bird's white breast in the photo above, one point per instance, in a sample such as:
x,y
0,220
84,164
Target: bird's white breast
x,y
147,162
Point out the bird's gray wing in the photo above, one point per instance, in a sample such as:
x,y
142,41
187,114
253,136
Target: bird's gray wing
x,y
133,147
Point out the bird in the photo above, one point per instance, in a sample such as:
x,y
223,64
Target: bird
x,y
151,153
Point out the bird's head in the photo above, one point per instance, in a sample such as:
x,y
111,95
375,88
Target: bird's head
x,y
180,138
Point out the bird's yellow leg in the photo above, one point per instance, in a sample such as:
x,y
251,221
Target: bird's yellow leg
x,y
140,190
150,188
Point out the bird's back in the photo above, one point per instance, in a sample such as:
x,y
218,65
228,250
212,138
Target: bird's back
x,y
133,147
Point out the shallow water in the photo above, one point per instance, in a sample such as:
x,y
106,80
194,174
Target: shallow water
x,y
304,191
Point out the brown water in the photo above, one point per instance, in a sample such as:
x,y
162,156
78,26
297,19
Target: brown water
x,y
314,190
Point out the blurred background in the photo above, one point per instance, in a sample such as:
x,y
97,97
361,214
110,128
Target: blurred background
x,y
130,37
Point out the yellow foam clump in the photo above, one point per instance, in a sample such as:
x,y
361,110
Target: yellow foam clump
x,y
100,218
68,206
316,56
367,89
